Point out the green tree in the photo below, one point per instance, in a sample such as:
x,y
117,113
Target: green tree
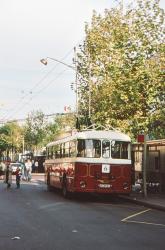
x,y
4,145
59,126
34,130
10,138
121,68
38,131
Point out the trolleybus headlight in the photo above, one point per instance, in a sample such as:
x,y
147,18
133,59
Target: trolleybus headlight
x,y
112,177
125,185
98,175
82,184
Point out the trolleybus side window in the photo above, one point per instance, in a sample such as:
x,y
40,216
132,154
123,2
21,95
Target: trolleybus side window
x,y
62,150
125,150
96,148
89,148
106,148
72,148
50,152
119,149
81,148
54,152
66,149
60,154
57,151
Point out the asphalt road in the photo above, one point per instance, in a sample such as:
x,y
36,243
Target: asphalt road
x,y
33,218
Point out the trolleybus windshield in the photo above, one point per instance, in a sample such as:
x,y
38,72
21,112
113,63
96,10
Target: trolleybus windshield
x,y
110,149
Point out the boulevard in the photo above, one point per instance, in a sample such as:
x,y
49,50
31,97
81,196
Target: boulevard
x,y
33,218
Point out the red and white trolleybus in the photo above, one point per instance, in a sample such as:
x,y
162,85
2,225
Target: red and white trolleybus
x,y
90,161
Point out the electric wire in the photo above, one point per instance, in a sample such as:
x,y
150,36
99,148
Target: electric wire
x,y
32,97
30,92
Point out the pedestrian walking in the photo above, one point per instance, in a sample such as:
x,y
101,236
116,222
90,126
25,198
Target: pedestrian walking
x,y
36,166
18,176
28,165
23,172
8,175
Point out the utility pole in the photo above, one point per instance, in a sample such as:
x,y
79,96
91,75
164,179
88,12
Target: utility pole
x,y
89,103
23,145
76,82
142,139
144,166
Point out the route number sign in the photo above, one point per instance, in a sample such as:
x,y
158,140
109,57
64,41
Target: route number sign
x,y
105,168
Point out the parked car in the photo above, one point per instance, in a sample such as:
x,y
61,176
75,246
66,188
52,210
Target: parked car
x,y
14,166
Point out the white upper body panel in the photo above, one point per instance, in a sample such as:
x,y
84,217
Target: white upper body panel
x,y
94,134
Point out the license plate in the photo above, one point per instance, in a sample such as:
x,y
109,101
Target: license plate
x,y
104,185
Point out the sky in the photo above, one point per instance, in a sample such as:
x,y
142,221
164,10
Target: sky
x,y
32,30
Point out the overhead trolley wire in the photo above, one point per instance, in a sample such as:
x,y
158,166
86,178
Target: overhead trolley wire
x,y
30,92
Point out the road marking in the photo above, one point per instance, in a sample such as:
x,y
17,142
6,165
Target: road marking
x,y
140,222
114,205
51,205
133,215
31,183
144,222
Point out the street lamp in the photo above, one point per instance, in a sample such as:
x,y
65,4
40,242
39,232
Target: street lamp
x,y
45,62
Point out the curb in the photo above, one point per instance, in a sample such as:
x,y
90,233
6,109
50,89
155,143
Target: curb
x,y
143,202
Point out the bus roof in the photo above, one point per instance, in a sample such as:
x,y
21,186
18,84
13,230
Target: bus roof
x,y
94,134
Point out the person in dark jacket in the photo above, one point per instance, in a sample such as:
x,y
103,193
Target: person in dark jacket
x,y
18,176
8,175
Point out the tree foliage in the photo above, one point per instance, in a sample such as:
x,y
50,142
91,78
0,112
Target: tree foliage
x,y
10,137
121,67
34,130
4,132
38,131
60,125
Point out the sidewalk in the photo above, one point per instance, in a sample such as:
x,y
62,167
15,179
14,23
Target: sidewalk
x,y
155,201
38,176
